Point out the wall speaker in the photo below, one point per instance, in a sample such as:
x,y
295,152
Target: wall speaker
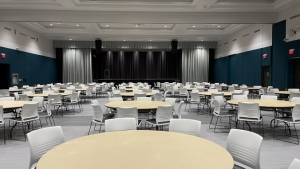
x,y
98,45
174,44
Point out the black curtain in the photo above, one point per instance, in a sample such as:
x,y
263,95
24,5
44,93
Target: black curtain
x,y
137,65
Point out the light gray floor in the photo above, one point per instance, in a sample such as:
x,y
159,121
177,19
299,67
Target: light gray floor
x,y
274,154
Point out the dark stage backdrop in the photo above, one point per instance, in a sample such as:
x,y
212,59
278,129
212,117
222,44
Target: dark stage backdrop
x,y
137,65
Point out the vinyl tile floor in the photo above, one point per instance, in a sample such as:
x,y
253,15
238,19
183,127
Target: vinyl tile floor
x,y
274,154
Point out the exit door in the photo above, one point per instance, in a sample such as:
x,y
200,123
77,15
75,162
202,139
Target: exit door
x,y
266,76
297,73
4,76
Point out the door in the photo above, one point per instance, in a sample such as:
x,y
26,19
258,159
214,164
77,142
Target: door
x,y
297,73
4,76
266,76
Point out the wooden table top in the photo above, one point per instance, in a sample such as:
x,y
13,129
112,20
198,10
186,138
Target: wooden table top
x,y
82,89
14,104
15,90
131,94
266,103
46,94
209,93
283,92
137,149
140,105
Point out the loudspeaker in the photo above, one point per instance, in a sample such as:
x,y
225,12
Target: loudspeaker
x,y
174,44
98,45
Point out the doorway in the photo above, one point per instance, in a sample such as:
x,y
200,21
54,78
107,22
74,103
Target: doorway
x,y
4,76
266,76
297,73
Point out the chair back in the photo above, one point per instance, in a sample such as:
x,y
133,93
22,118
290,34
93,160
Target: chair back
x,y
98,114
158,97
271,93
294,94
1,115
128,112
246,92
171,101
296,100
48,91
182,91
143,99
123,90
40,100
217,107
115,99
120,124
23,97
220,100
164,113
248,111
185,126
239,97
49,112
230,88
293,90
268,97
178,112
244,147
155,91
30,112
295,164
139,95
17,97
296,113
235,94
261,92
274,89
4,92
56,98
212,90
195,97
43,140
74,97
237,91
7,98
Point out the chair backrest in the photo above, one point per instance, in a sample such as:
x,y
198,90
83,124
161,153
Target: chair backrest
x,y
217,107
49,112
122,90
4,92
48,91
261,92
43,140
30,112
248,111
182,91
185,126
195,97
56,97
296,100
40,100
95,102
234,94
237,91
178,112
115,99
17,97
74,97
294,94
164,113
98,114
268,97
143,99
212,90
171,101
128,112
246,92
158,97
27,92
296,113
239,97
244,147
1,115
139,95
23,97
293,90
271,92
274,89
295,164
7,98
231,88
120,124
155,91
220,100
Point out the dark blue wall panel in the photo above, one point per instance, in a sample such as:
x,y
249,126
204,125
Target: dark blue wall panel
x,y
267,61
36,69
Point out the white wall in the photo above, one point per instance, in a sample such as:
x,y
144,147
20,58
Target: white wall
x,y
12,39
253,41
291,23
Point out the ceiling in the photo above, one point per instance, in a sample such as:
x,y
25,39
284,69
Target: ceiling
x,y
140,20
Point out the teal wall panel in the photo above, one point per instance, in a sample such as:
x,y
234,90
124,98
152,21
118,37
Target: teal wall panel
x,y
36,69
267,61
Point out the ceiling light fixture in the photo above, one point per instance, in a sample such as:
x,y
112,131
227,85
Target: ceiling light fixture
x,y
70,39
150,40
136,25
194,26
77,25
123,40
166,26
219,26
201,40
107,25
51,24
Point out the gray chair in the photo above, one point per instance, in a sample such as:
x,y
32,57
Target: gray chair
x,y
120,124
185,126
99,117
4,92
163,116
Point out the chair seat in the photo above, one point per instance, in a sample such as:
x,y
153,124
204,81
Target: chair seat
x,y
106,116
224,114
287,120
250,119
153,122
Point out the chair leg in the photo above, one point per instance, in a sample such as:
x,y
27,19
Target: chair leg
x,y
216,124
100,128
90,129
211,121
41,123
4,134
53,120
296,134
24,131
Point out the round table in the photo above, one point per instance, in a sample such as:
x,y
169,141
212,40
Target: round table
x,y
266,103
137,149
81,89
140,105
46,94
283,92
14,104
131,94
209,93
15,90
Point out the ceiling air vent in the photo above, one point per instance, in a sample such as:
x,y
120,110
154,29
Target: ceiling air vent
x,y
233,40
225,43
7,28
258,30
246,35
23,34
295,16
33,38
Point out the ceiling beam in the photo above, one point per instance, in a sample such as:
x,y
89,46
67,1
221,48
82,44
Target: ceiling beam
x,y
137,17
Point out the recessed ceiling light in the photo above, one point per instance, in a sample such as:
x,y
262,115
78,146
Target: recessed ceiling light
x,y
166,26
123,40
219,26
70,39
77,25
150,40
201,40
136,26
107,25
51,24
194,26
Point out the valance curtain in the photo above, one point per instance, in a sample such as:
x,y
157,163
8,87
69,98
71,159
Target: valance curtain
x,y
195,65
77,66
